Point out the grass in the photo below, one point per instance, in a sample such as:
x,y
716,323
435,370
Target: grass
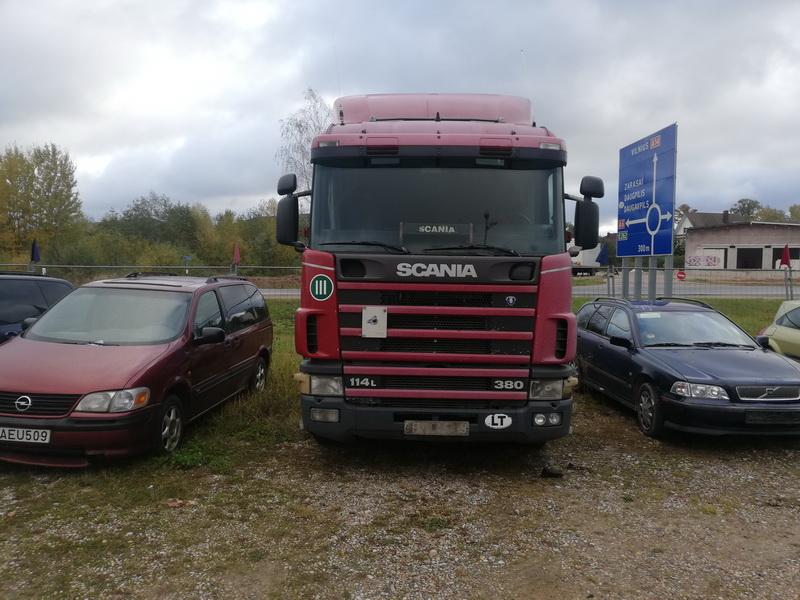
x,y
97,525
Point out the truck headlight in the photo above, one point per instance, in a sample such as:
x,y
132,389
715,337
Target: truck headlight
x,y
699,390
326,385
546,389
114,401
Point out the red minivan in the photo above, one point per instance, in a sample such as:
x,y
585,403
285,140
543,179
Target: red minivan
x,y
120,366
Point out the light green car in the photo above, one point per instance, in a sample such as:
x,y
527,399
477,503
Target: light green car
x,y
784,331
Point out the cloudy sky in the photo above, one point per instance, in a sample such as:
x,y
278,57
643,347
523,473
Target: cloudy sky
x,y
184,96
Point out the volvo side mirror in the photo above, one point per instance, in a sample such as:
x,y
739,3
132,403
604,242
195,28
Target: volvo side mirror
x,y
621,342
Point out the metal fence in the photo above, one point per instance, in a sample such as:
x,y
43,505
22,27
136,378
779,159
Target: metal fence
x,y
284,282
692,283
275,282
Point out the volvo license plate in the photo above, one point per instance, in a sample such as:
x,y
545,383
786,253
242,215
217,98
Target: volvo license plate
x,y
26,436
447,428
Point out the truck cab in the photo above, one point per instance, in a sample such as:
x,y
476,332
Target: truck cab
x,y
436,289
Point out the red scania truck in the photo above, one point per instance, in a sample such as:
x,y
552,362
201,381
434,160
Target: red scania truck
x,y
436,291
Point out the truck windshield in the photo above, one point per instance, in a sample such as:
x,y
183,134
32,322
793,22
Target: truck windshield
x,y
447,210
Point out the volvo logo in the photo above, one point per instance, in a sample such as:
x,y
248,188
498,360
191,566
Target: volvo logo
x,y
511,300
768,392
23,403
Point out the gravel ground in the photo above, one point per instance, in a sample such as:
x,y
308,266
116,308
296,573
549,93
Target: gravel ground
x,y
628,517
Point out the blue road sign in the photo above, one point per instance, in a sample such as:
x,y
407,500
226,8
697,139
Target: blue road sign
x,y
646,204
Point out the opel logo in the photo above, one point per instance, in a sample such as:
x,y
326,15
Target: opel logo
x,y
23,403
511,300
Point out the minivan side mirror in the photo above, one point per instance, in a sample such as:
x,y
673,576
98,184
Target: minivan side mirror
x,y
621,342
287,184
210,335
287,221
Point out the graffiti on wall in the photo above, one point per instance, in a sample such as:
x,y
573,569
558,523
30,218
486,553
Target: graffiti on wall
x,y
709,262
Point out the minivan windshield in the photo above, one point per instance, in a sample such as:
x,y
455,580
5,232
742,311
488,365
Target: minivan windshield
x,y
436,209
114,316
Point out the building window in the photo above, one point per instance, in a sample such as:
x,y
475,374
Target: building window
x,y
794,254
749,258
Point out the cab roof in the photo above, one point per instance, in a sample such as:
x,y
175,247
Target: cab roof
x,y
485,120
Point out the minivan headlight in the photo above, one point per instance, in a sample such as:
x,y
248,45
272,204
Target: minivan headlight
x,y
114,401
699,390
325,385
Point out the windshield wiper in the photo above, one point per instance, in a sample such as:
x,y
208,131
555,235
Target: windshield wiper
x,y
668,345
400,249
721,345
506,251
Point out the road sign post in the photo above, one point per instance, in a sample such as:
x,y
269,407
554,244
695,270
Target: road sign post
x,y
646,203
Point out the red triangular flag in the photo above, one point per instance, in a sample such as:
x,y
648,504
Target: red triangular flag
x,y
237,257
785,257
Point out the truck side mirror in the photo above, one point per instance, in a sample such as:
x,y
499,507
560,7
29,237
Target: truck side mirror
x,y
592,187
287,184
587,223
287,221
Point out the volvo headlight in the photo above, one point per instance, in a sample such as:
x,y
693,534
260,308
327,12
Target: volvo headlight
x,y
699,390
325,385
114,401
546,389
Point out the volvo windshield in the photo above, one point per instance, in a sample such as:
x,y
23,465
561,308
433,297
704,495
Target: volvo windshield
x,y
437,210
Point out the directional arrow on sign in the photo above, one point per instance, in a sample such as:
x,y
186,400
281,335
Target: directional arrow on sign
x,y
664,217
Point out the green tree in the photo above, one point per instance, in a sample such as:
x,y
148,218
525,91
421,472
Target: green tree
x,y
746,207
794,212
38,196
771,215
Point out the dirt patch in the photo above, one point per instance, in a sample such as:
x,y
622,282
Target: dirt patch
x,y
630,518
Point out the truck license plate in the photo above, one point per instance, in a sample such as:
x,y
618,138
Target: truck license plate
x,y
459,428
30,436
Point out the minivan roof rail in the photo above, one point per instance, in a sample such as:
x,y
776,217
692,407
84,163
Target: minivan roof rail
x,y
137,274
215,278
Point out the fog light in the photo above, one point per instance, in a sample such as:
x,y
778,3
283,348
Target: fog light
x,y
539,419
325,415
554,418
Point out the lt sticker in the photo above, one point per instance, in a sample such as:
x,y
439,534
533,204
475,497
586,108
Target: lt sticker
x,y
321,287
498,421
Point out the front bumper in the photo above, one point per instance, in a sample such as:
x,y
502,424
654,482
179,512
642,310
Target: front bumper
x,y
387,422
723,417
73,440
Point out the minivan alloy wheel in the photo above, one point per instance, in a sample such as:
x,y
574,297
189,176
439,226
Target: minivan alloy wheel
x,y
259,380
171,428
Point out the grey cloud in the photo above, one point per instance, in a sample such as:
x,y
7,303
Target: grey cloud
x,y
599,74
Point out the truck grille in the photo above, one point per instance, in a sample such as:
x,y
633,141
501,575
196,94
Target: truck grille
x,y
435,328
42,405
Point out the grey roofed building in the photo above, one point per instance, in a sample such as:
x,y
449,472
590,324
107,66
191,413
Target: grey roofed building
x,y
706,219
